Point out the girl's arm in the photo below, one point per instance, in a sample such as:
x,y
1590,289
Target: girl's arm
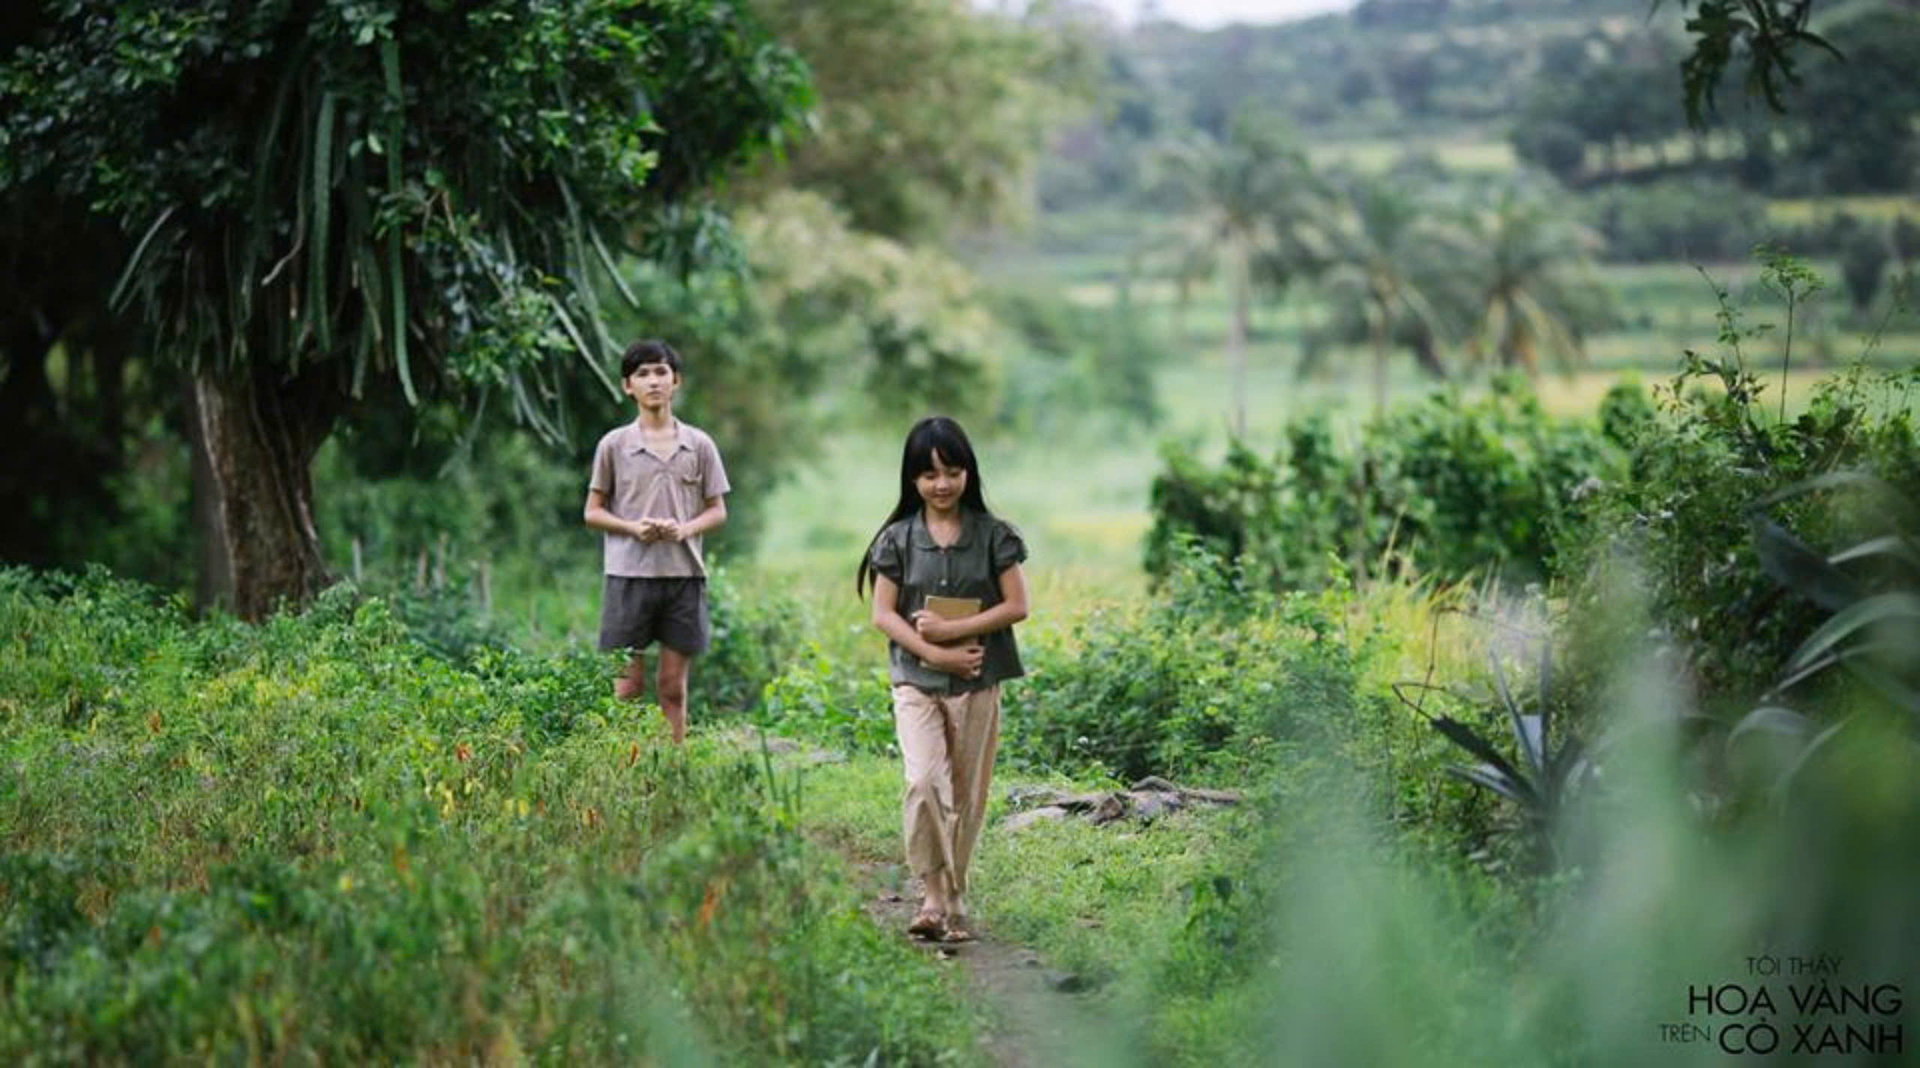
x,y
1011,609
954,660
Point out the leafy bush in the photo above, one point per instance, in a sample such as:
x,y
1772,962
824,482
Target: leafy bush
x,y
825,699
1203,683
1450,487
757,634
1720,446
1870,592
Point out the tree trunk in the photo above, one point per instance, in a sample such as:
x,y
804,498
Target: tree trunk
x,y
1240,282
1427,354
253,440
1378,334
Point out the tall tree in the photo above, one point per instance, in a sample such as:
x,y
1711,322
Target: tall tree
x,y
1533,295
323,199
1253,211
930,112
1392,255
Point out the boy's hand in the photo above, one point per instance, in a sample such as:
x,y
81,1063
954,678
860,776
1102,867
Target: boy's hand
x,y
658,530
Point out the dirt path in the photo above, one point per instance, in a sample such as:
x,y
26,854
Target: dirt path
x,y
1037,1016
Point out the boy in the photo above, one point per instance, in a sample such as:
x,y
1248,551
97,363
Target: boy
x,y
657,486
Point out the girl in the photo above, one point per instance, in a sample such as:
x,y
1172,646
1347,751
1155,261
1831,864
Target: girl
x,y
947,590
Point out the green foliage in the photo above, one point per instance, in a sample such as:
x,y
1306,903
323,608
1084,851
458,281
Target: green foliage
x,y
1689,220
1873,615
1208,681
1080,360
1253,216
825,699
1626,412
929,114
903,325
1767,32
1717,449
381,177
1450,488
1863,266
318,841
1858,113
385,206
1548,769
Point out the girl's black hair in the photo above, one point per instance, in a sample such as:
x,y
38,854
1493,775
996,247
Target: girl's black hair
x,y
934,433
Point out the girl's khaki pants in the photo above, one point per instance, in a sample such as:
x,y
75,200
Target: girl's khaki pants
x,y
947,743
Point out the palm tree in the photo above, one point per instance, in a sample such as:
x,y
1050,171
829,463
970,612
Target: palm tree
x,y
1391,273
1534,294
1251,222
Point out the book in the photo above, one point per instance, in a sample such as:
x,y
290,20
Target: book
x,y
951,608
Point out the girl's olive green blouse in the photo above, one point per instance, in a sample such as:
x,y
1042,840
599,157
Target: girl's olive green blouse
x,y
906,553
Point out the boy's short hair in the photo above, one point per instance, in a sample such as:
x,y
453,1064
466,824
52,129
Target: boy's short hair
x,y
648,350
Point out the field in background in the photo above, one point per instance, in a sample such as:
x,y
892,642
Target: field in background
x,y
1081,495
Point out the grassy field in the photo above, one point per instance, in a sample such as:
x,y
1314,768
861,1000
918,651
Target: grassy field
x,y
1463,156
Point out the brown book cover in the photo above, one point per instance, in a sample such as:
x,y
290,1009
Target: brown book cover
x,y
951,608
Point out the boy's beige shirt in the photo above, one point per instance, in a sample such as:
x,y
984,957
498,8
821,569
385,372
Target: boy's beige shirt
x,y
638,484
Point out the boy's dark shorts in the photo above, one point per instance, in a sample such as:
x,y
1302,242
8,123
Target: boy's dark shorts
x,y
634,612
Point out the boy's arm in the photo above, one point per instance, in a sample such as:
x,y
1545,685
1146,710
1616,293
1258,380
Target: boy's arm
x,y
598,517
1011,609
712,515
964,660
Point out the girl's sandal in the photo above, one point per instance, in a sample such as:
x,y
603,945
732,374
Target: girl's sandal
x,y
928,923
957,933
957,928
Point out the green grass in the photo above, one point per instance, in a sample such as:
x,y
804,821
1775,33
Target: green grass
x,y
1374,157
1883,209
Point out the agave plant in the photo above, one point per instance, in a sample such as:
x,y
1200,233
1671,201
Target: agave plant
x,y
1541,777
1871,590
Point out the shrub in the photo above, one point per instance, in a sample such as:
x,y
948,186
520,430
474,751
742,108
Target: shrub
x,y
1205,682
1451,487
1718,447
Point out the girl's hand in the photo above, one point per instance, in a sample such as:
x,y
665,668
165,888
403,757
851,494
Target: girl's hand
x,y
934,628
962,660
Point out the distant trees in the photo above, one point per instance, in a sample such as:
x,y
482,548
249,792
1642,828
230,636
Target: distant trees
x,y
1857,117
929,113
1252,209
1396,268
1622,108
